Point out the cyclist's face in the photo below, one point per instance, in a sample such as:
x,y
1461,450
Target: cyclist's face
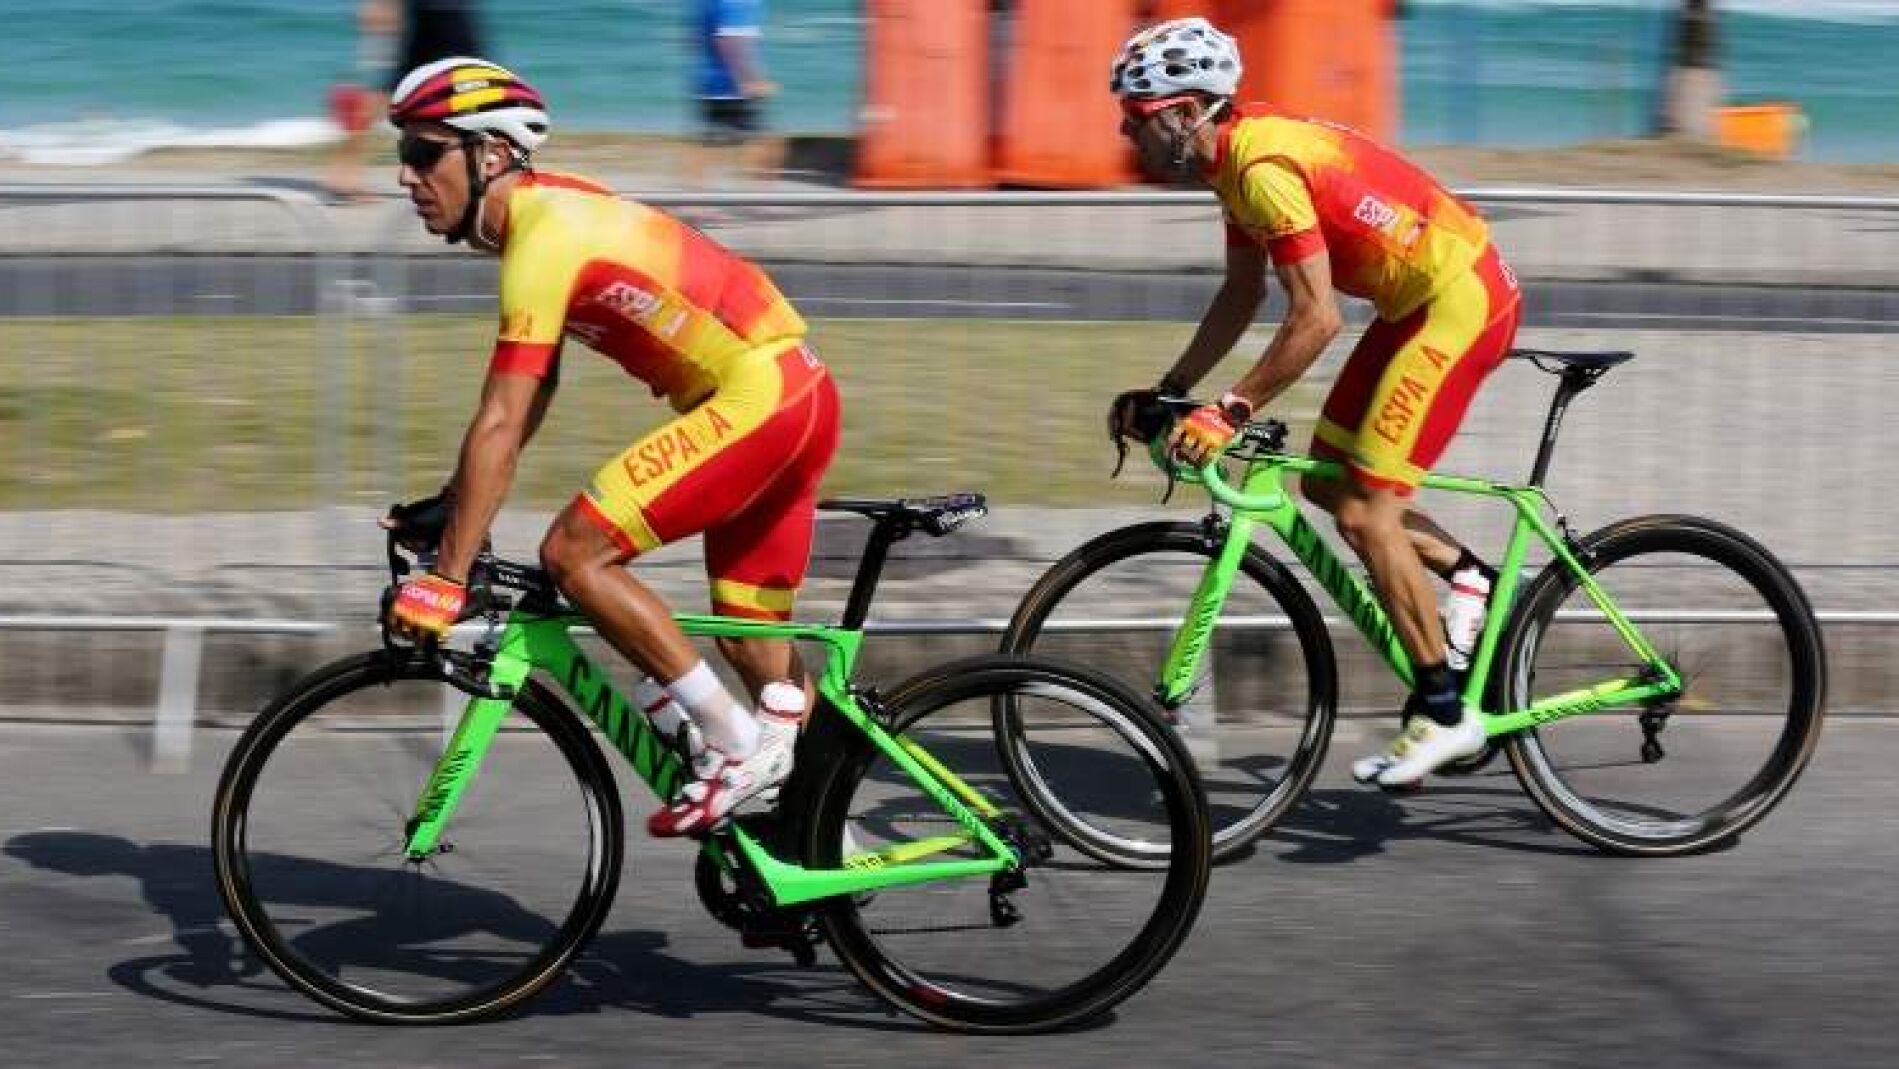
x,y
433,174
1155,127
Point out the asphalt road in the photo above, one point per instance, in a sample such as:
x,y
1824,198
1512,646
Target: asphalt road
x,y
285,285
1448,928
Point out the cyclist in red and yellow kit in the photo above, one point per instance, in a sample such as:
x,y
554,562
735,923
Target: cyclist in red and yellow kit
x,y
1335,212
756,426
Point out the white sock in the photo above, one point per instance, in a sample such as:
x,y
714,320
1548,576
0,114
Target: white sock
x,y
781,707
657,703
726,725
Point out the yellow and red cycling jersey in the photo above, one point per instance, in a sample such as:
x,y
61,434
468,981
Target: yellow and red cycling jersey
x,y
668,304
707,330
1300,187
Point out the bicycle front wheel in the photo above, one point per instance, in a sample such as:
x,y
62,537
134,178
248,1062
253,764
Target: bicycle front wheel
x,y
1688,773
309,834
1058,938
1261,715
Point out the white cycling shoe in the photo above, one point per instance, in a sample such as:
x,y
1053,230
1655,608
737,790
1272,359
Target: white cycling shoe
x,y
721,784
1423,747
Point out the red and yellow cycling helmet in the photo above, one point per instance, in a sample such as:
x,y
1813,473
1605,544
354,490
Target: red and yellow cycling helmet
x,y
472,95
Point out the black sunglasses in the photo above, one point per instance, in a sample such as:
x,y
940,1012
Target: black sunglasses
x,y
422,153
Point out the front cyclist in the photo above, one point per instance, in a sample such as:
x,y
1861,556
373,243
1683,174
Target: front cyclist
x,y
1335,212
756,424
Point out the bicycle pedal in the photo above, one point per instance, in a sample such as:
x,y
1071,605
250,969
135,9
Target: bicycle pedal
x,y
1414,787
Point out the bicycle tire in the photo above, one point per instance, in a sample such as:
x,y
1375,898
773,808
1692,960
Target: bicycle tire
x,y
297,953
1576,769
1245,796
863,800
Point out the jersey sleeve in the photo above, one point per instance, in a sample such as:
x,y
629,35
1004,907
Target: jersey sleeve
x,y
1275,209
537,280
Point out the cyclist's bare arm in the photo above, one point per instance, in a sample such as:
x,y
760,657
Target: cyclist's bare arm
x,y
1312,321
485,471
543,397
1226,319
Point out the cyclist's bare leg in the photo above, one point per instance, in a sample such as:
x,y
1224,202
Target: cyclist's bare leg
x,y
1437,548
1375,523
759,661
1372,522
589,569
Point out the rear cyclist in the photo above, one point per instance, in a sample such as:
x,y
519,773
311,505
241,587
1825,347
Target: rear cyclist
x,y
1334,212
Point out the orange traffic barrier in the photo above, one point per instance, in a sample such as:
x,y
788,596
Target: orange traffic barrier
x,y
1060,125
1163,10
1770,129
925,117
1330,59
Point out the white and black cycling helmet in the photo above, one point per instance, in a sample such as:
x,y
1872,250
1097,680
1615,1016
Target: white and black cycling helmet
x,y
1175,58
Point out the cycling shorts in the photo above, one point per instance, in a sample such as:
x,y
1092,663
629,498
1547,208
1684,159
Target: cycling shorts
x,y
742,468
1405,388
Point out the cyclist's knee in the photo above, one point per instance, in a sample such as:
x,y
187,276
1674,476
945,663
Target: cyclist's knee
x,y
558,559
1364,515
570,548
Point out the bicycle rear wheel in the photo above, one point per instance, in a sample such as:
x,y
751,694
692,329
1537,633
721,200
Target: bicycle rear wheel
x,y
1062,938
1695,771
309,831
1258,724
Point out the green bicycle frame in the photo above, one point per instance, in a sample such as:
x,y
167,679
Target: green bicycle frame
x,y
1263,499
531,641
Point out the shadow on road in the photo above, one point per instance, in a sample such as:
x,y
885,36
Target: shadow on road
x,y
1337,825
214,970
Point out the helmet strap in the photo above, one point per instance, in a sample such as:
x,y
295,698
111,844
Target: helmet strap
x,y
469,228
1184,143
477,190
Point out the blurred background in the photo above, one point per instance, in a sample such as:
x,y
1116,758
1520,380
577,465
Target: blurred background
x,y
1468,72
226,346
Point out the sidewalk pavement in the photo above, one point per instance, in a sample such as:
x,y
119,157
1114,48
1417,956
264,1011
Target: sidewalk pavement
x,y
1721,245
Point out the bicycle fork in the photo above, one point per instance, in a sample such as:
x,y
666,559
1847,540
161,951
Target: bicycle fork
x,y
459,762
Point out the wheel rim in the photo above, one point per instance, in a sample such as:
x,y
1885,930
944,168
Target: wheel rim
x,y
1258,724
1086,933
315,860
1730,744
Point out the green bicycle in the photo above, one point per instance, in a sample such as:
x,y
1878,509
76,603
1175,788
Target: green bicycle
x,y
368,864
1655,626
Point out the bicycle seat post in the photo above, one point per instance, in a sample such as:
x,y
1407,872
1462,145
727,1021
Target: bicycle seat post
x,y
1573,382
885,531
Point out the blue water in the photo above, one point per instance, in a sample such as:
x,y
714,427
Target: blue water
x,y
1495,72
